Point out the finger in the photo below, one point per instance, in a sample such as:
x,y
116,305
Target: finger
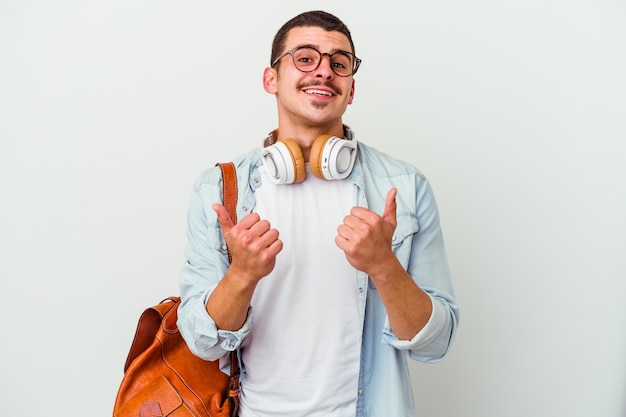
x,y
352,221
276,247
265,239
389,214
362,213
343,230
223,217
259,227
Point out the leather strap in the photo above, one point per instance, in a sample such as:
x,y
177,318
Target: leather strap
x,y
229,188
229,199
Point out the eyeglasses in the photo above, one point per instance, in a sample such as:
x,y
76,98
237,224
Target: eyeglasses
x,y
308,59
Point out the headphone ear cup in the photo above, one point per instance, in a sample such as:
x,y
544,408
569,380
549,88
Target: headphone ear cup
x,y
299,167
317,154
284,162
332,158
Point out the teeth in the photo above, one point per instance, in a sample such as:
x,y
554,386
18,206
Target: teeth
x,y
324,93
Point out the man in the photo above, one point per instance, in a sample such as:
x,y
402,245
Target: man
x,y
325,313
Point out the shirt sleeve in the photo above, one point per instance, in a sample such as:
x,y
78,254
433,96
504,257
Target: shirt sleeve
x,y
206,263
430,341
426,262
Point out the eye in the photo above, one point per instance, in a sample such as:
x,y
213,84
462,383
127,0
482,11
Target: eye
x,y
306,56
341,60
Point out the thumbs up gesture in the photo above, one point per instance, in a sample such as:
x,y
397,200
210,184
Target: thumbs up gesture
x,y
365,237
252,242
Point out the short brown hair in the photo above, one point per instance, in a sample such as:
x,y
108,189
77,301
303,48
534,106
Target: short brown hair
x,y
316,18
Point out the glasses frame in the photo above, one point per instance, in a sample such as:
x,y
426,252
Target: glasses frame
x,y
356,62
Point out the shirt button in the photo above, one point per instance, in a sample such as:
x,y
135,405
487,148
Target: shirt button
x,y
224,247
360,391
244,208
361,290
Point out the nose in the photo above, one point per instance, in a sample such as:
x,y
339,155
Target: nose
x,y
324,69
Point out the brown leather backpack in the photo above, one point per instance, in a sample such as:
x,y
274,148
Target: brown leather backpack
x,y
161,375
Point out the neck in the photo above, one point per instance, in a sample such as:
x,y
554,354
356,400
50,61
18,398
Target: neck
x,y
307,136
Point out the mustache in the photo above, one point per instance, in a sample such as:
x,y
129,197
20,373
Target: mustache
x,y
327,84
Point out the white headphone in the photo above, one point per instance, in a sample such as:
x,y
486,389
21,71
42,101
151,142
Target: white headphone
x,y
332,158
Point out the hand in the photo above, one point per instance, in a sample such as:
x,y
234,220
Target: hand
x,y
252,243
365,237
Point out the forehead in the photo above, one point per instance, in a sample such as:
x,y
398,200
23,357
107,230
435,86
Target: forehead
x,y
322,39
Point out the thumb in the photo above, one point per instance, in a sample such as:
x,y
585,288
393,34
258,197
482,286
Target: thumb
x,y
389,215
223,217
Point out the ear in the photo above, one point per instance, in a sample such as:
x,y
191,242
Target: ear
x,y
351,93
269,80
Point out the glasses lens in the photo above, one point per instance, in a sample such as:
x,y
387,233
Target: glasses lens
x,y
341,64
306,59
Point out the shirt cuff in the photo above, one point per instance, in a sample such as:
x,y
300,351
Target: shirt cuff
x,y
230,340
425,336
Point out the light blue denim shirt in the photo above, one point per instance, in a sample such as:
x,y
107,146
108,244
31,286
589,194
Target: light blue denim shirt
x,y
384,384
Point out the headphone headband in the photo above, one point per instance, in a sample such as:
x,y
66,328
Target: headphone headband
x,y
272,137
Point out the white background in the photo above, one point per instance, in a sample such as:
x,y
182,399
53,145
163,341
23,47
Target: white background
x,y
515,110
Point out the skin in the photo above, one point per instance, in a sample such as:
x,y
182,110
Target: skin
x,y
309,105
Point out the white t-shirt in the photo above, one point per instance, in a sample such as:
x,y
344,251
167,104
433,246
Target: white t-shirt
x,y
302,356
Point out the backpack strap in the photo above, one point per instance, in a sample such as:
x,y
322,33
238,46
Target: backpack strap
x,y
229,191
229,198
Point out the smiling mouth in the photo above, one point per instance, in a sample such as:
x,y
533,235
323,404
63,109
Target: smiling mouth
x,y
316,92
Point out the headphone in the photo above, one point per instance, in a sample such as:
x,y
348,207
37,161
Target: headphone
x,y
332,158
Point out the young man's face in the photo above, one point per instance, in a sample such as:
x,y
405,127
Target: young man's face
x,y
311,99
